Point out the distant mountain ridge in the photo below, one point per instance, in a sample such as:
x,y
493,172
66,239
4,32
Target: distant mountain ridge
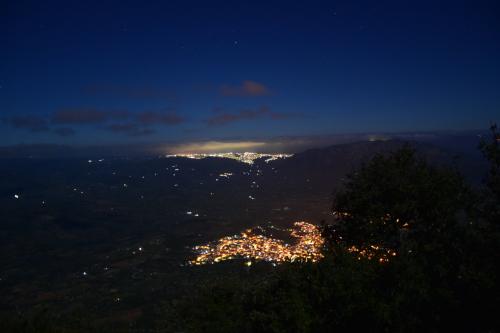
x,y
334,162
328,164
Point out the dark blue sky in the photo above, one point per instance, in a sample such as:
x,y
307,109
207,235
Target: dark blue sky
x,y
84,72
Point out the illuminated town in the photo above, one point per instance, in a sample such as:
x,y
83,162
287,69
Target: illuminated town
x,y
246,157
251,246
372,252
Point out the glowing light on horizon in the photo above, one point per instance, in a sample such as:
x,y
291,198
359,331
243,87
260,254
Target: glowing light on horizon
x,y
216,146
246,157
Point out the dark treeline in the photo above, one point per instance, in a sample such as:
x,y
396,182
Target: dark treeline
x,y
413,248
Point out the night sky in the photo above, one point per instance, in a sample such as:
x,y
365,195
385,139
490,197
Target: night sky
x,y
123,72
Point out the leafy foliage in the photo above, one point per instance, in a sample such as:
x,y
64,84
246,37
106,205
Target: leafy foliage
x,y
491,151
399,196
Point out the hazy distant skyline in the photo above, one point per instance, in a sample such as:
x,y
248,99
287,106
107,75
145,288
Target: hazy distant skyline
x,y
460,142
104,73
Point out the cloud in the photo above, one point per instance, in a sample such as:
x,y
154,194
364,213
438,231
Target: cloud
x,y
64,131
144,93
124,122
82,116
31,123
34,123
215,146
277,144
246,89
168,118
223,118
130,129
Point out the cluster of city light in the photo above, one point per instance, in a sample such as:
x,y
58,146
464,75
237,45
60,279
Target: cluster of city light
x,y
373,252
226,174
251,246
246,157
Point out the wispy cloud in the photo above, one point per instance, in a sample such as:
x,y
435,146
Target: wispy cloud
x,y
64,131
165,118
246,89
31,123
117,91
37,124
81,116
130,129
278,144
63,122
221,117
216,146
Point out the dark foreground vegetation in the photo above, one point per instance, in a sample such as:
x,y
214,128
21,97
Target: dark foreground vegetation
x,y
413,249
